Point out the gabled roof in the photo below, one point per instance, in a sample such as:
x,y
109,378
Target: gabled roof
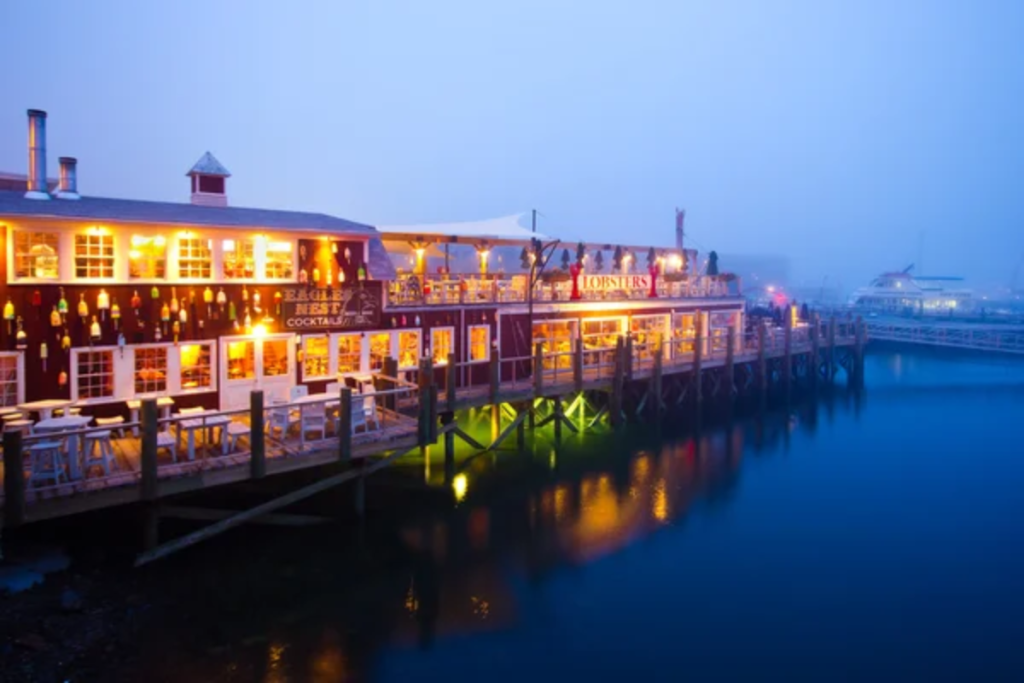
x,y
507,229
208,165
134,211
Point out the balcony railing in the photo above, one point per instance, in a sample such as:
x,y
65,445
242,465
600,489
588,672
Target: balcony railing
x,y
460,290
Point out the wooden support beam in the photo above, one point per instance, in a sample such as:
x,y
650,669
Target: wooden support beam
x,y
521,428
448,428
508,430
261,510
468,439
597,417
345,424
213,514
494,374
14,480
538,370
657,405
495,421
698,359
257,437
618,383
149,482
391,370
451,382
559,418
577,367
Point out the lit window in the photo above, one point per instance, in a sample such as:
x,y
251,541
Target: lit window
x,y
9,379
35,255
241,360
316,354
409,349
196,367
278,265
275,358
479,343
239,259
195,258
150,370
350,353
441,344
94,254
94,374
147,258
380,348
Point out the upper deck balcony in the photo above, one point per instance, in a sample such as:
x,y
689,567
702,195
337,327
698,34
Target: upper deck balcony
x,y
412,290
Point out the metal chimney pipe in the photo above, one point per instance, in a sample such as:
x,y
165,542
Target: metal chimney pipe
x,y
68,188
37,155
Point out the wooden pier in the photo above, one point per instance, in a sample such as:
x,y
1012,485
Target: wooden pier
x,y
989,338
570,391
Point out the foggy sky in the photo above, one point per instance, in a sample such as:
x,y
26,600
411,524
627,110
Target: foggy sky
x,y
846,135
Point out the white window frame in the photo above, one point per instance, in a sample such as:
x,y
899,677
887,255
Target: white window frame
x,y
395,334
214,251
124,372
364,354
433,345
92,231
332,356
19,357
12,262
469,344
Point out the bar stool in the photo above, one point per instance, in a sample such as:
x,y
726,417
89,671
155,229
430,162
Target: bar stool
x,y
7,410
12,415
98,440
113,423
19,425
235,430
47,462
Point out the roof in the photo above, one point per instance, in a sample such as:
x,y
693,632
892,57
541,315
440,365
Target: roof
x,y
136,211
208,165
379,263
507,228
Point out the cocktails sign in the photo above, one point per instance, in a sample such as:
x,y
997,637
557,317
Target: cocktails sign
x,y
318,308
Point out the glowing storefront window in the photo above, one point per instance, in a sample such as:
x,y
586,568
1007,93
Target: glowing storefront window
x,y
147,258
195,257
196,366
479,343
94,255
350,353
150,370
408,349
275,357
239,259
279,261
36,254
441,344
316,355
241,360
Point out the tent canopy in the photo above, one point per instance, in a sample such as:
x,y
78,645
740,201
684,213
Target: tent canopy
x,y
512,229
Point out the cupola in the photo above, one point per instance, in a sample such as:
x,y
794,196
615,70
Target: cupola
x,y
209,178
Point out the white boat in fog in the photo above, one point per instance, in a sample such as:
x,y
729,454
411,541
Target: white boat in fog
x,y
901,293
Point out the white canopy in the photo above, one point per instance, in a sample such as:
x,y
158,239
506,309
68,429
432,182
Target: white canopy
x,y
514,228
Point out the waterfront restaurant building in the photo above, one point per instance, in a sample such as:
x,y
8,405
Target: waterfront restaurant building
x,y
107,301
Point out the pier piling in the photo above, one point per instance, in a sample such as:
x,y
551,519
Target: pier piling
x,y
257,442
345,425
730,363
14,480
815,360
762,364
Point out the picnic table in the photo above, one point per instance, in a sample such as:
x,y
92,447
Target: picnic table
x,y
163,403
69,423
45,407
206,421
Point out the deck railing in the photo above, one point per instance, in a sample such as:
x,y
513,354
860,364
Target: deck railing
x,y
474,289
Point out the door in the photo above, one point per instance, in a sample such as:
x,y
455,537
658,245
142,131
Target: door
x,y
249,363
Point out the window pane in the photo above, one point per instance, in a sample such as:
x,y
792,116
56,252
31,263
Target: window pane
x,y
95,374
239,259
94,255
196,366
195,257
316,356
150,370
279,261
350,352
241,360
408,349
35,254
441,345
479,343
147,259
380,348
275,357
8,380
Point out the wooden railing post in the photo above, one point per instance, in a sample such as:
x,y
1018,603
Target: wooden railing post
x,y
618,381
391,370
257,440
538,370
494,375
577,366
451,382
148,467
14,480
345,425
698,359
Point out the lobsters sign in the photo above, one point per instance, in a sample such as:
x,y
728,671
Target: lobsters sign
x,y
610,282
316,308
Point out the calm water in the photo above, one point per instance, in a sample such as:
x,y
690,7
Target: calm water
x,y
872,538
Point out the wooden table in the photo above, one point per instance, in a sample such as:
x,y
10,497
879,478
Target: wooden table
x,y
56,425
45,407
164,403
206,421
